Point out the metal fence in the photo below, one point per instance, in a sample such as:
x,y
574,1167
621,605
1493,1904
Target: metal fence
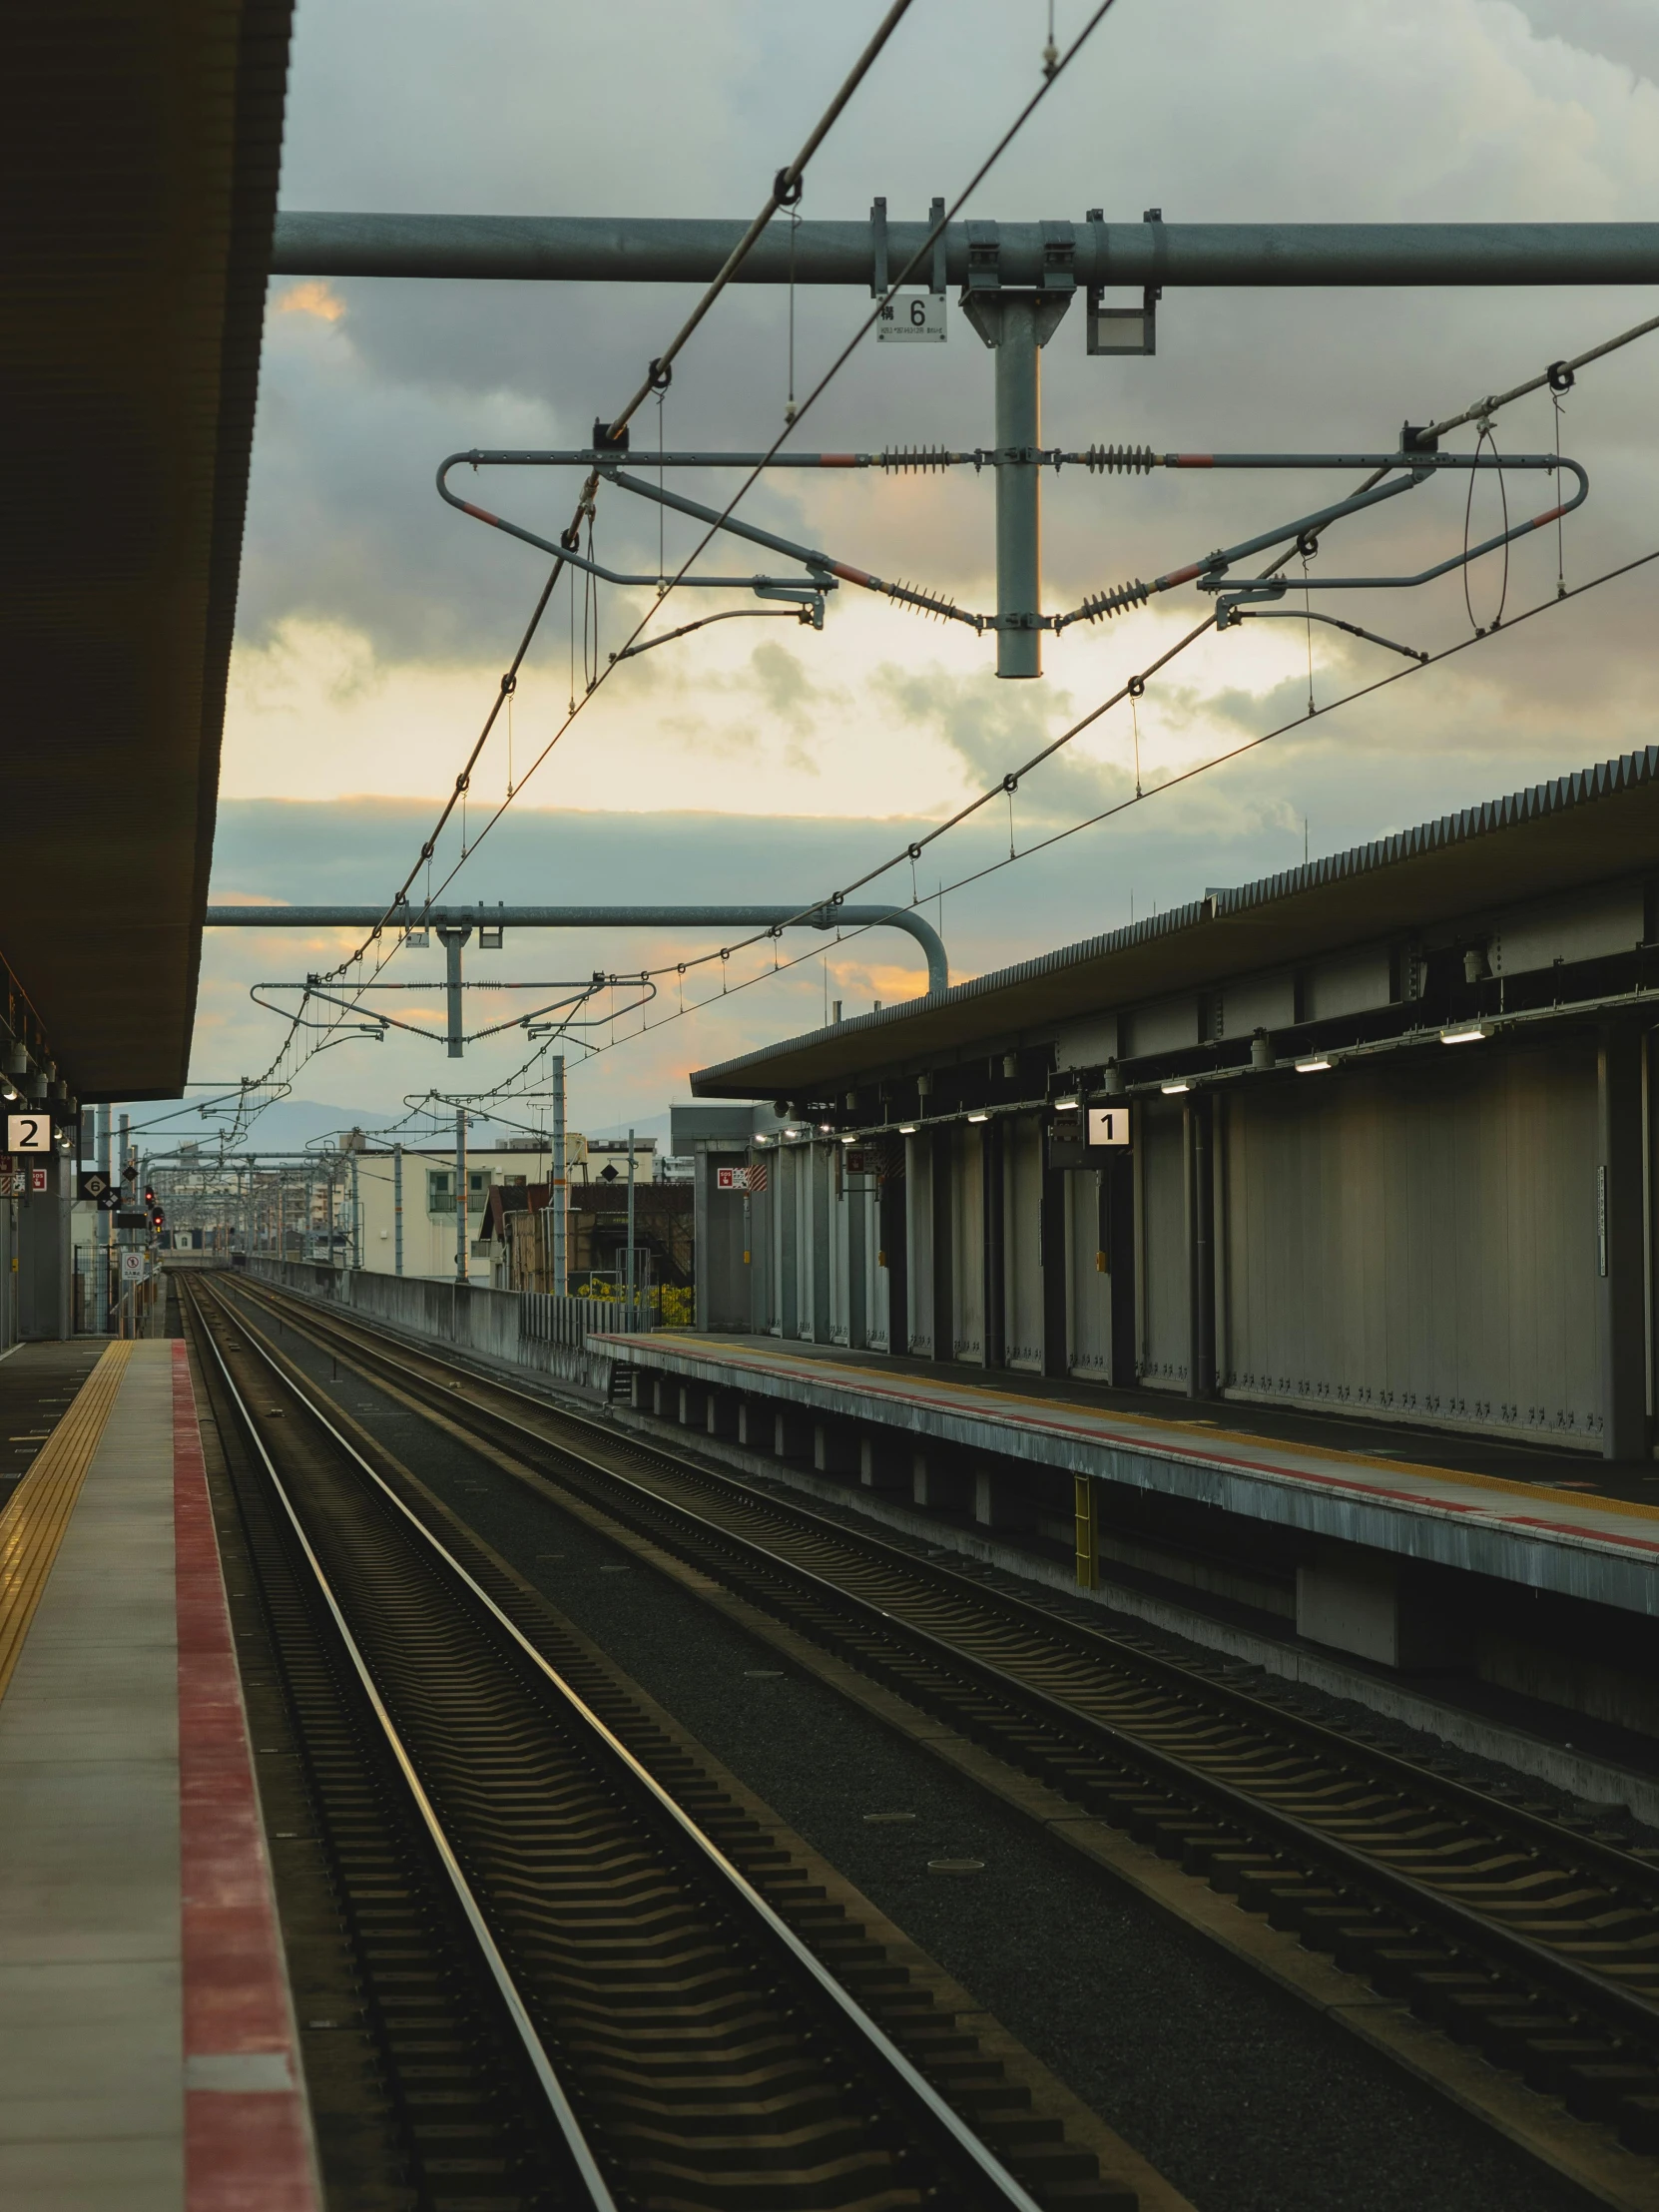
x,y
520,1329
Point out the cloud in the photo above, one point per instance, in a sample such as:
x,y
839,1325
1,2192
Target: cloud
x,y
375,622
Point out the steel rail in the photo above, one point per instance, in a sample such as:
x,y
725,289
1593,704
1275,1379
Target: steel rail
x,y
552,2088
1477,1930
959,2142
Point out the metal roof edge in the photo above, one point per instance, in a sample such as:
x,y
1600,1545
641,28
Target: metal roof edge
x,y
1605,779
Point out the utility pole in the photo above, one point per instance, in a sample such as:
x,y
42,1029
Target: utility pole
x,y
101,1248
558,1196
460,1195
398,1208
356,1218
632,1315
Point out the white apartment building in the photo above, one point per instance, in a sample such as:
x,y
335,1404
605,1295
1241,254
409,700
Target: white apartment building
x,y
427,1176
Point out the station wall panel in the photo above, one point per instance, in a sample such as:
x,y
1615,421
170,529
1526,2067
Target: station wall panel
x,y
1088,1286
967,1245
864,1200
1419,1242
1022,1244
918,1196
1166,1306
786,1219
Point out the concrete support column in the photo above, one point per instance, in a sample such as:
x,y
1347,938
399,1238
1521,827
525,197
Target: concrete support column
x,y
884,1464
1377,1607
792,1434
834,1448
1619,1245
722,1414
692,1405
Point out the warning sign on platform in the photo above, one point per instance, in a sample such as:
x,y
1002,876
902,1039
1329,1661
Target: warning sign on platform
x,y
132,1266
38,1178
730,1178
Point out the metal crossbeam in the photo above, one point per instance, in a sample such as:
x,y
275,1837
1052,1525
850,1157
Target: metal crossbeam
x,y
651,249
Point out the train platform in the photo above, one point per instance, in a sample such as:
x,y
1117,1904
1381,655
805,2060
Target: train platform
x,y
147,2059
1542,1519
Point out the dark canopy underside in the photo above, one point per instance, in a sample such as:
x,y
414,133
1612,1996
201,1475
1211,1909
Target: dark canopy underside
x,y
139,151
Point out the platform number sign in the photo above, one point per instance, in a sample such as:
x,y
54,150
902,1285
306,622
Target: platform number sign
x,y
1108,1125
28,1132
911,319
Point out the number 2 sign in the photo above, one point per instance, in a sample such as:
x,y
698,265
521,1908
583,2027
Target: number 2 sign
x,y
28,1132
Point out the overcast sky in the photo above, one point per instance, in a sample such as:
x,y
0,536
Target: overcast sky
x,y
772,763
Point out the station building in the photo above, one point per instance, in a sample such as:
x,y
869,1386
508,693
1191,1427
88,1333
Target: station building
x,y
1288,1257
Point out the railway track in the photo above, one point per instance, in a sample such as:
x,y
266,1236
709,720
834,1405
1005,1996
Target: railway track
x,y
1524,1934
581,1990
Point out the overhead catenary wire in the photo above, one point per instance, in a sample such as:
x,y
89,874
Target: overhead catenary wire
x,y
1136,685
785,188
1554,376
917,260
584,505
1169,784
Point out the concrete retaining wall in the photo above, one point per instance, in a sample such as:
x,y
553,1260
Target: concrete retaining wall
x,y
528,1331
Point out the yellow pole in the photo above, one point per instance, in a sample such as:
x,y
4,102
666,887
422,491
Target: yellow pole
x,y
1088,1535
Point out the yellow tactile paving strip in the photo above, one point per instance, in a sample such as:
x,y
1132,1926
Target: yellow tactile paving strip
x,y
37,1514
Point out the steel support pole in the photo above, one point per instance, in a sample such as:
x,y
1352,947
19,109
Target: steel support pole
x,y
1016,325
356,1218
632,1315
452,940
1019,651
397,1209
461,1246
558,1196
105,1234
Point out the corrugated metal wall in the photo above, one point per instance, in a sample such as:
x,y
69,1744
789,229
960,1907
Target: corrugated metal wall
x,y
1165,1317
1022,1244
1420,1241
919,1198
1088,1286
967,1245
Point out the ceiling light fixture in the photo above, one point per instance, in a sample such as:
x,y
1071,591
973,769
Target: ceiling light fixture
x,y
1170,1090
1318,1065
1466,1032
980,1117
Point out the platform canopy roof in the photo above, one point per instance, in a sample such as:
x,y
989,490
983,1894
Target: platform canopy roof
x,y
137,185
1589,828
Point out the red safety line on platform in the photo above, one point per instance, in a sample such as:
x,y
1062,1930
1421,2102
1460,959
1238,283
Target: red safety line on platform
x,y
246,2133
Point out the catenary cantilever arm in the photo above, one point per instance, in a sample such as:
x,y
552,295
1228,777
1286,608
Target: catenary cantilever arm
x,y
600,917
577,559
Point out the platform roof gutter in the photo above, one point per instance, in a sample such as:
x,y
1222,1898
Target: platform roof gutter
x,y
1589,828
